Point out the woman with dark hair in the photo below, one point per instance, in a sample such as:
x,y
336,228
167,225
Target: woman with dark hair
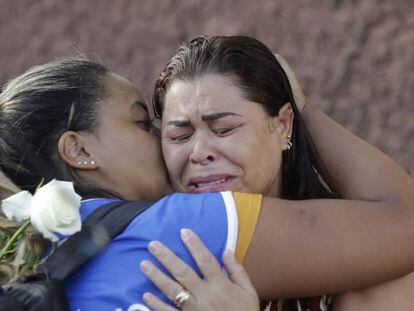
x,y
74,120
249,66
50,111
230,122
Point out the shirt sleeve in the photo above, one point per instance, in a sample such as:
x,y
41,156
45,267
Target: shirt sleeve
x,y
248,208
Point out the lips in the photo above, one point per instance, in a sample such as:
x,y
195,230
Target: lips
x,y
211,183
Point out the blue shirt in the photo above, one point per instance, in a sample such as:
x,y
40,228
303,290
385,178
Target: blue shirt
x,y
113,280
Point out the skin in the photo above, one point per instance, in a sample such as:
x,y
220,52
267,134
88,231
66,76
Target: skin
x,y
353,177
203,118
392,194
125,128
216,291
396,294
122,149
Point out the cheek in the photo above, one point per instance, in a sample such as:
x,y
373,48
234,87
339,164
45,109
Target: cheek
x,y
175,159
268,162
141,147
270,165
150,148
260,157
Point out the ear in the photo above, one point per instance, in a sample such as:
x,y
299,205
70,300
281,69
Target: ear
x,y
285,125
73,149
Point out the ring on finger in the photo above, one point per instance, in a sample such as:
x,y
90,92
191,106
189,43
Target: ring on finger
x,y
182,297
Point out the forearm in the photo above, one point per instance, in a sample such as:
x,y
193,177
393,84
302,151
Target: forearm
x,y
358,170
305,248
321,246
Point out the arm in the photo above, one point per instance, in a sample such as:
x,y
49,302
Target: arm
x,y
334,245
358,170
305,248
320,247
300,251
295,252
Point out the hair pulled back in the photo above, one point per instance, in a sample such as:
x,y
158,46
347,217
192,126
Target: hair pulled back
x,y
262,80
36,108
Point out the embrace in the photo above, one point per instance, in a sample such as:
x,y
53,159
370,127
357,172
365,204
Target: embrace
x,y
241,163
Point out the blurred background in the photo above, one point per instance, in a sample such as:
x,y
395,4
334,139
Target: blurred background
x,y
354,59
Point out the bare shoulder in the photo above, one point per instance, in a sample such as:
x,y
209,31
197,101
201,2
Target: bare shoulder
x,y
394,295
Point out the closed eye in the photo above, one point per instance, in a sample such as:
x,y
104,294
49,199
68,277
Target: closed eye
x,y
144,124
224,131
180,138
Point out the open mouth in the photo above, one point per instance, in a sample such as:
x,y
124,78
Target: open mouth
x,y
209,184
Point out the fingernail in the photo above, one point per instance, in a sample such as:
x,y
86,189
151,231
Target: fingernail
x,y
154,246
147,298
145,266
186,234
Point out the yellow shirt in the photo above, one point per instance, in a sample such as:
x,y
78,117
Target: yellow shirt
x,y
248,210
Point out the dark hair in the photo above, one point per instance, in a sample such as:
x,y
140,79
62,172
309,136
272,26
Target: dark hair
x,y
262,80
36,108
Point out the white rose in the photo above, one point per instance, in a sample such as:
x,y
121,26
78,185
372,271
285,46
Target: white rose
x,y
55,209
17,206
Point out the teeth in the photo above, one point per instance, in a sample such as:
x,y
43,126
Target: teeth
x,y
206,184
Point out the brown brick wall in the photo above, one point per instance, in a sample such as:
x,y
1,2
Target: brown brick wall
x,y
355,59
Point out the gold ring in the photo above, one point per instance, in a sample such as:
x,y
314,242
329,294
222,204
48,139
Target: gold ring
x,y
182,297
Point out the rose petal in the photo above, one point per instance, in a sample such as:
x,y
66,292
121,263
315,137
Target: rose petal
x,y
17,206
55,208
74,227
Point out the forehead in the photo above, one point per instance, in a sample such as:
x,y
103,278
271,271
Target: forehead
x,y
209,93
120,94
119,87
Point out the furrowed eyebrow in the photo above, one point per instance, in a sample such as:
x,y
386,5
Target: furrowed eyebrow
x,y
181,123
205,118
219,115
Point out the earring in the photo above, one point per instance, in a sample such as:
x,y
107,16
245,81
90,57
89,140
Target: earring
x,y
86,162
289,143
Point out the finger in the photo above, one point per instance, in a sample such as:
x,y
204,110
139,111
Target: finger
x,y
205,260
182,272
294,82
286,67
156,303
164,283
237,273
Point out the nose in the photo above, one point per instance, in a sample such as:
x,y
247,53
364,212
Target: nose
x,y
203,152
